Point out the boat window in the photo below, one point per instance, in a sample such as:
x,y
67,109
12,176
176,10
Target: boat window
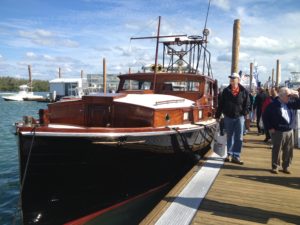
x,y
70,89
208,88
136,85
181,86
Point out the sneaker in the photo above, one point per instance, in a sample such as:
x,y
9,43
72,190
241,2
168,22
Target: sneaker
x,y
266,140
237,161
227,159
286,170
275,171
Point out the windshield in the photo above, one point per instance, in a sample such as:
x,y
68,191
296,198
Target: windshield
x,y
136,85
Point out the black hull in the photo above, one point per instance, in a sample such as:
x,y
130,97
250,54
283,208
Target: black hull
x,y
68,178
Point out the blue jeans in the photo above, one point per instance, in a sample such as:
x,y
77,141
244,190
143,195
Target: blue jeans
x,y
234,129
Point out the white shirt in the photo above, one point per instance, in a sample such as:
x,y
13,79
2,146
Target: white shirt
x,y
285,113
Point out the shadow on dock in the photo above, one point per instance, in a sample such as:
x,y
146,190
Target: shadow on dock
x,y
290,182
245,213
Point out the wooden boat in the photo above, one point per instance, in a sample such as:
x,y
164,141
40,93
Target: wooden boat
x,y
87,156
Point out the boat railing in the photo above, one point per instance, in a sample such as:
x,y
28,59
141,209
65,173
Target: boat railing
x,y
169,101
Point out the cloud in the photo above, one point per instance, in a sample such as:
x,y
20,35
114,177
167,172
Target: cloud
x,y
1,58
39,33
31,55
264,44
220,43
291,66
49,58
47,38
222,4
226,57
244,15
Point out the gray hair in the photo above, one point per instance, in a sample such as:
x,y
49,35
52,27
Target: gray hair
x,y
283,92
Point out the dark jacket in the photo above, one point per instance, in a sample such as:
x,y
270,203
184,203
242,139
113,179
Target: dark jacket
x,y
259,100
273,119
233,106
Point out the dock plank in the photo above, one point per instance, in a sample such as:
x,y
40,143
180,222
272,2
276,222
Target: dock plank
x,y
245,194
250,194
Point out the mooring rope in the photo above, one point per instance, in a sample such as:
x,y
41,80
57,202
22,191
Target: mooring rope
x,y
24,175
184,140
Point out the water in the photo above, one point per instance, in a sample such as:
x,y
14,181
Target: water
x,y
11,112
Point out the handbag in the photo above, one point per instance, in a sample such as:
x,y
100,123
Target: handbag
x,y
219,144
261,124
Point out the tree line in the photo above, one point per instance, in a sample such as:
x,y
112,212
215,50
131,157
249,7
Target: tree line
x,y
12,84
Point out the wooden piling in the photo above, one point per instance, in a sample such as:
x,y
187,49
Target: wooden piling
x,y
278,73
272,77
59,72
104,75
30,77
81,74
235,46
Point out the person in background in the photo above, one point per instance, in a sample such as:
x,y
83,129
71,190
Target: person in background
x,y
271,95
234,104
253,111
279,118
248,117
259,99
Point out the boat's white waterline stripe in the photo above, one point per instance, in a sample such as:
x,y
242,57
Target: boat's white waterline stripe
x,y
179,128
184,207
96,135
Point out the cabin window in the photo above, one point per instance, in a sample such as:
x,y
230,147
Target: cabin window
x,y
136,85
200,114
185,115
181,86
208,88
70,89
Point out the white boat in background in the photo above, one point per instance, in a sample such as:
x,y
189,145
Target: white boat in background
x,y
23,95
294,81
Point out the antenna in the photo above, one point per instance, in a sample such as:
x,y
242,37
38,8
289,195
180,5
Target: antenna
x,y
207,14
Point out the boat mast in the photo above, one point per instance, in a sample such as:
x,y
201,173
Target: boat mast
x,y
156,54
157,45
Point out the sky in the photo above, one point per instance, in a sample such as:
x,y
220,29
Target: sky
x,y
76,35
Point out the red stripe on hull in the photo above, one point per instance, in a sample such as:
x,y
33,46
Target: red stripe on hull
x,y
87,218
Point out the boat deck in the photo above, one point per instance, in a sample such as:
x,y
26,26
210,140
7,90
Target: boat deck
x,y
243,194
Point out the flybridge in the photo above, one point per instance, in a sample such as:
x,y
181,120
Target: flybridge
x,y
186,55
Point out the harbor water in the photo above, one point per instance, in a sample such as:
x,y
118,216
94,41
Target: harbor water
x,y
10,112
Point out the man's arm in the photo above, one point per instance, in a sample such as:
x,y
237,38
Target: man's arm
x,y
246,104
220,106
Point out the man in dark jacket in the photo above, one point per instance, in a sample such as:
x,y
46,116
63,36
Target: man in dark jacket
x,y
279,118
234,104
259,100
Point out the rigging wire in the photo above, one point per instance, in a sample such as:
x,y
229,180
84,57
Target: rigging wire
x,y
149,24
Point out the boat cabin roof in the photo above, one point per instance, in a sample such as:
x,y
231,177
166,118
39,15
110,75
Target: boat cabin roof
x,y
156,101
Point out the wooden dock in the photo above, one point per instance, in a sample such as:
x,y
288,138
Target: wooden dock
x,y
245,194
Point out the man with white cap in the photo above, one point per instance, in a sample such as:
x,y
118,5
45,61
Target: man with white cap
x,y
279,118
234,104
